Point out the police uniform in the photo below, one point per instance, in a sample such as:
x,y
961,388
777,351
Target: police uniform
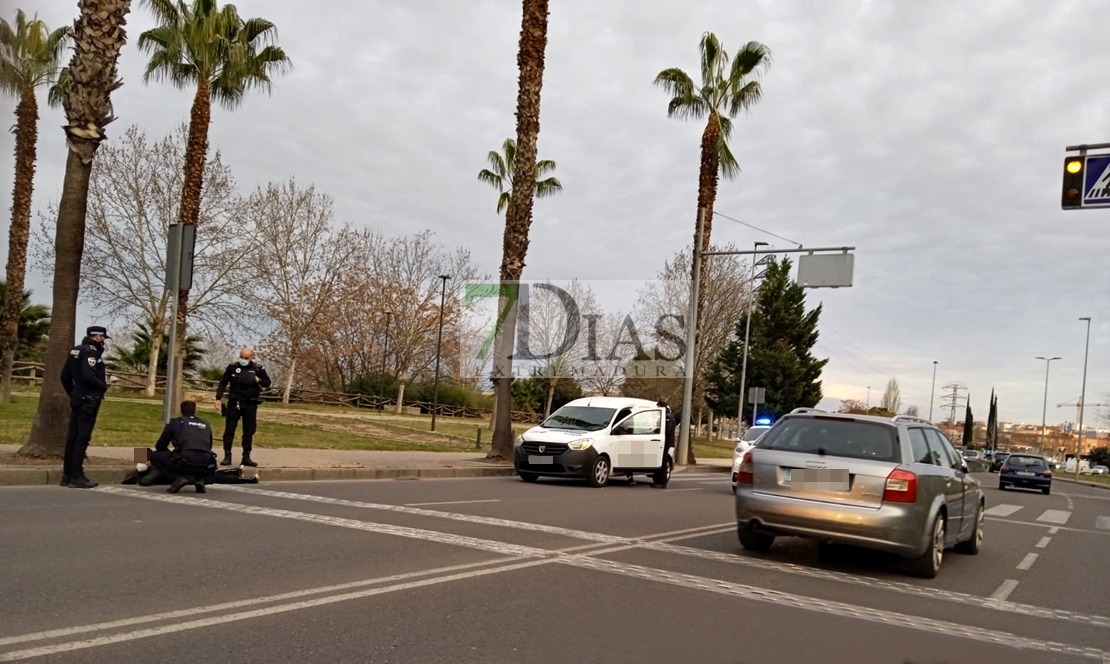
x,y
244,384
84,380
191,458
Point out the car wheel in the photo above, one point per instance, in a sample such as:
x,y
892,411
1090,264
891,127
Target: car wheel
x,y
752,540
662,477
528,477
1001,486
599,472
973,545
1046,490
927,565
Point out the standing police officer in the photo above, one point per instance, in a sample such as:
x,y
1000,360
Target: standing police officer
x,y
246,380
84,380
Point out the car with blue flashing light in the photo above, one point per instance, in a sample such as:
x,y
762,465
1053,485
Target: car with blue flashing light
x,y
595,439
893,484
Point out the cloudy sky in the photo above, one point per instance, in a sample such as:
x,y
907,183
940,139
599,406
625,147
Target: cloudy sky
x,y
929,135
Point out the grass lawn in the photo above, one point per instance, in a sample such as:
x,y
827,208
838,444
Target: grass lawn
x,y
137,420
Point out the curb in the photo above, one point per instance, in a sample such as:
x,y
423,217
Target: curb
x,y
115,475
1096,485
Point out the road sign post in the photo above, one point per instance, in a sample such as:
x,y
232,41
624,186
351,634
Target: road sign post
x,y
1086,178
180,246
756,395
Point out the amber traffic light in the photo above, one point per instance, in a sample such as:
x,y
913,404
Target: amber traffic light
x,y
1072,195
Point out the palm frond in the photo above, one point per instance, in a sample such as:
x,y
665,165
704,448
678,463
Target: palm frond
x,y
543,167
713,59
676,83
165,11
497,163
745,97
548,187
504,200
727,164
491,178
56,96
508,149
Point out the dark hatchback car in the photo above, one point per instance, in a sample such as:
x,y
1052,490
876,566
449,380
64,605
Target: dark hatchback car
x,y
997,461
1026,471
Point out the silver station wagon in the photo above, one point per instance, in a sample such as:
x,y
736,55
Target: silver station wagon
x,y
892,484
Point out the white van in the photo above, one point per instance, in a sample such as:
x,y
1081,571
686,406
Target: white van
x,y
596,438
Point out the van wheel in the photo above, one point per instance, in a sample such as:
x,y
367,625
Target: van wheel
x,y
528,477
599,472
927,565
662,477
753,541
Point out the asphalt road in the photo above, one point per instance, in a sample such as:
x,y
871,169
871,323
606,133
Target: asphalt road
x,y
498,571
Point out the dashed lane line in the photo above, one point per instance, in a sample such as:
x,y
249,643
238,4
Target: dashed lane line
x,y
454,502
1051,530
1004,590
1044,542
1027,561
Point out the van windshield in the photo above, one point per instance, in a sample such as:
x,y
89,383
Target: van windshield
x,y
579,418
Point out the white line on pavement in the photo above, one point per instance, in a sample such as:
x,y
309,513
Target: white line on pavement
x,y
1102,523
1071,503
1051,530
1004,590
1054,516
1054,530
696,488
455,502
1028,561
1044,542
1002,510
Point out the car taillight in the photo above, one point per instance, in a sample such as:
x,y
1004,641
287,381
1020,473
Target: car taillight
x,y
901,487
1005,469
1048,473
745,474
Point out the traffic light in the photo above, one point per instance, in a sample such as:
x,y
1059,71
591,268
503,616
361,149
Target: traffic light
x,y
1072,195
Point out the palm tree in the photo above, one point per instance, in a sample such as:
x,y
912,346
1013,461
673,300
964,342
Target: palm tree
x,y
30,54
34,324
136,358
221,56
727,87
530,59
98,38
500,175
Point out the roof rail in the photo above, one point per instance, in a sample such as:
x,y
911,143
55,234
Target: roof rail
x,y
806,410
910,418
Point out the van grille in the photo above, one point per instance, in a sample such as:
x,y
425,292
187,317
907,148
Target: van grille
x,y
549,449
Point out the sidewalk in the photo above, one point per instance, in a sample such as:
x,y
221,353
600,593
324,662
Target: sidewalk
x,y
295,464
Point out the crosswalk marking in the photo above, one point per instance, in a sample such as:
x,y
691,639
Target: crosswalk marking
x,y
1002,510
1054,516
1103,523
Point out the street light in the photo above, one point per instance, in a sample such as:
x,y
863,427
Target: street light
x,y
381,378
1082,397
1044,412
747,340
869,398
439,344
933,392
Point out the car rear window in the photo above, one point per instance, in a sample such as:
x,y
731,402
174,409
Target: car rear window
x,y
835,437
1025,461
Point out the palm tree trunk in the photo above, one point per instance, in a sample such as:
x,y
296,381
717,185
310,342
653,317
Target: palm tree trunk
x,y
48,432
530,60
196,155
26,136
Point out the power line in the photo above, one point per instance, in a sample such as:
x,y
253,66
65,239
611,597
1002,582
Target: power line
x,y
744,223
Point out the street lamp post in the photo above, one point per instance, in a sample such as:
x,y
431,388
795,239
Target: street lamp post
x,y
933,391
439,345
747,340
1044,412
869,398
385,349
1082,398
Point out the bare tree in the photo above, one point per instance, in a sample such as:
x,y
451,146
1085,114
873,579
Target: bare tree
x,y
134,195
297,265
892,396
913,411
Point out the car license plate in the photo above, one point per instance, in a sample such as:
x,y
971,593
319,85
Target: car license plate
x,y
814,479
533,459
1025,473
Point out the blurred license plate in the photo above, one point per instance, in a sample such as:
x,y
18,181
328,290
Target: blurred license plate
x,y
810,479
540,459
1025,472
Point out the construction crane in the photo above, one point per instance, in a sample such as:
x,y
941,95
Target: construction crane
x,y
1078,403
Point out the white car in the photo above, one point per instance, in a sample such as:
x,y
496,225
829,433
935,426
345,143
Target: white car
x,y
597,438
745,443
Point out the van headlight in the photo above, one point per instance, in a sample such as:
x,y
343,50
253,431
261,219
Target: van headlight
x,y
580,444
519,441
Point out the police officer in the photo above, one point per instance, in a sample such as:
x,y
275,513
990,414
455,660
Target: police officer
x,y
192,451
84,380
245,381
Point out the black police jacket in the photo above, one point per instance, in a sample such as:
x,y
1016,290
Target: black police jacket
x,y
241,384
186,433
84,375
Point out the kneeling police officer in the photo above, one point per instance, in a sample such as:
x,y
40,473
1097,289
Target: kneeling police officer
x,y
191,458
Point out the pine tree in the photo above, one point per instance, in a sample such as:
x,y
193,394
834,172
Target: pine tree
x,y
781,355
992,424
969,425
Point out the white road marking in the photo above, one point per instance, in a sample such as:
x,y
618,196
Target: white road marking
x,y
1055,516
1028,561
1053,531
1044,542
1002,510
455,502
1102,523
1071,503
697,488
1004,590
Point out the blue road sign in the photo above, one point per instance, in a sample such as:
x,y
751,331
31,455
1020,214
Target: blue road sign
x,y
1096,181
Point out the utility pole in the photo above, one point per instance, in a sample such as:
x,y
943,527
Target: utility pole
x,y
1082,398
868,398
747,340
1044,412
952,400
381,378
439,345
933,391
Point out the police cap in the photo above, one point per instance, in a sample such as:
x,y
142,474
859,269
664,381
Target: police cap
x,y
94,330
